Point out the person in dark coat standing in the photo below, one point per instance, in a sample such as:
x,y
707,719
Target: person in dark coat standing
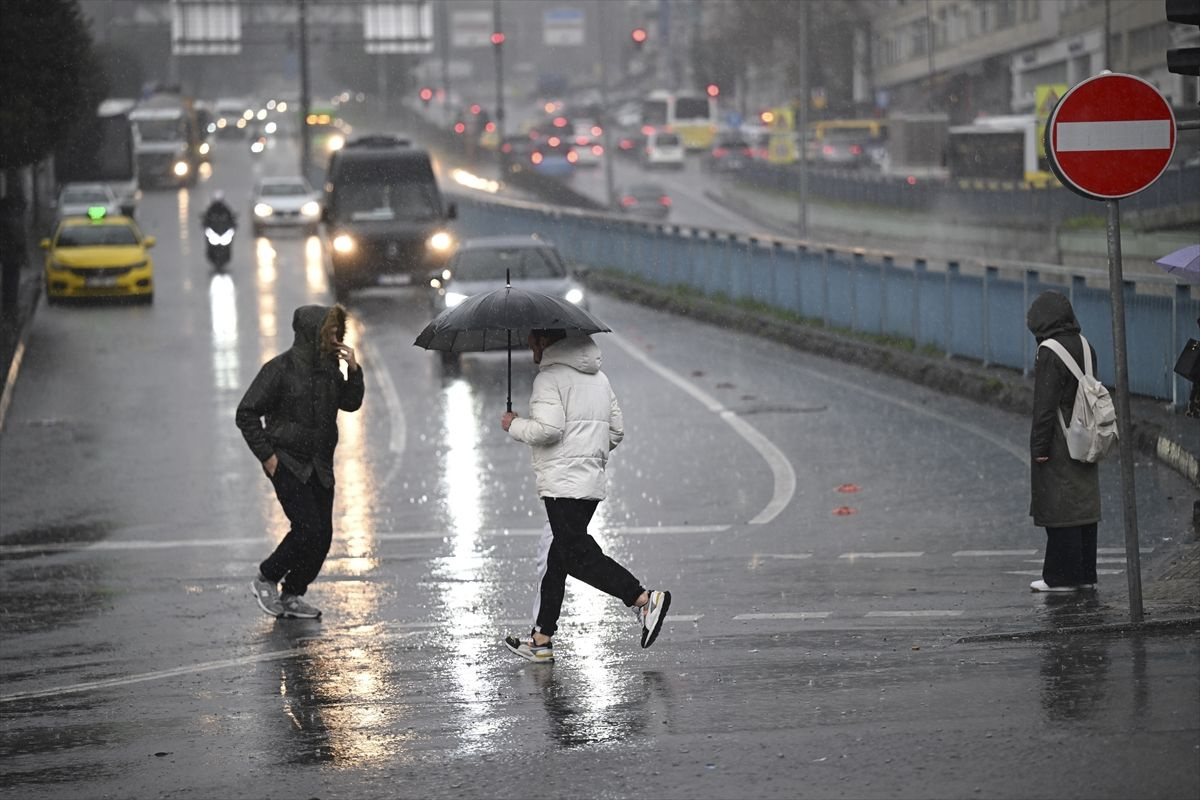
x,y
1065,493
298,395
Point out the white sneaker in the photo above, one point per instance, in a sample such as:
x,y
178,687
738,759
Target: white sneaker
x,y
1041,586
526,649
652,615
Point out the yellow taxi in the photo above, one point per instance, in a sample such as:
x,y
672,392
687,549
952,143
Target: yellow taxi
x,y
99,256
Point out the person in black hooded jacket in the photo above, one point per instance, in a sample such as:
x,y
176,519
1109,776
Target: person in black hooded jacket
x,y
1065,493
298,395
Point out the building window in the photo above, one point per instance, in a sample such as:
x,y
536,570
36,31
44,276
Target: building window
x,y
1150,39
918,40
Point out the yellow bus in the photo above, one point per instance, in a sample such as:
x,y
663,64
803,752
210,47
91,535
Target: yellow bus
x,y
692,115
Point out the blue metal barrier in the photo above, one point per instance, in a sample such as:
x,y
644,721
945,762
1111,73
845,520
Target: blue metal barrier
x,y
977,314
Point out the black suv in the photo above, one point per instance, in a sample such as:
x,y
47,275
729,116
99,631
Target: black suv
x,y
384,216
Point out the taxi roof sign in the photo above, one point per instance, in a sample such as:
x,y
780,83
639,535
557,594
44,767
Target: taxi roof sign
x,y
96,213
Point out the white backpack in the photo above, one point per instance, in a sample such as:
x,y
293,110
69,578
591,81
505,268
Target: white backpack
x,y
1093,429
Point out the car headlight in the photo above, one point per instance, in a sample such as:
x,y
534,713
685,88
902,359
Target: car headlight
x,y
263,210
343,243
440,241
574,296
181,168
454,298
310,209
336,142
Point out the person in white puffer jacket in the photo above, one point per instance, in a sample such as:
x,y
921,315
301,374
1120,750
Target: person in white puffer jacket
x,y
574,422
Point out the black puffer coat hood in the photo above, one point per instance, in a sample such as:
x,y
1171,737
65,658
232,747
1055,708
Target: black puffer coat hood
x,y
291,407
1051,315
309,324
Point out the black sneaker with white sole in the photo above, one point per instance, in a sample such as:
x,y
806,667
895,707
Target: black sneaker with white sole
x,y
652,615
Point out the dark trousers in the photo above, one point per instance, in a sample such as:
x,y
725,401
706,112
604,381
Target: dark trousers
x,y
569,549
309,507
1070,556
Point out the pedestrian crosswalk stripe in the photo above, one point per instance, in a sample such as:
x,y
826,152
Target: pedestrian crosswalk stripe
x,y
1038,572
786,615
922,613
984,553
1108,551
897,554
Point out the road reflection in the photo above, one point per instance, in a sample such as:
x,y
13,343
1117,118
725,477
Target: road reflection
x,y
338,704
314,268
1074,666
576,719
461,576
222,302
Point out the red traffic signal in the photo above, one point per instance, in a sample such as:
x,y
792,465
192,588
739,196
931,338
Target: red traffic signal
x,y
497,38
713,90
426,94
639,36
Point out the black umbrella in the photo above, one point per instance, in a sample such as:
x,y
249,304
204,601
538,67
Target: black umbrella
x,y
492,320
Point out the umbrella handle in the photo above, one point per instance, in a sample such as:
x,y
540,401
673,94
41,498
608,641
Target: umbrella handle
x,y
509,370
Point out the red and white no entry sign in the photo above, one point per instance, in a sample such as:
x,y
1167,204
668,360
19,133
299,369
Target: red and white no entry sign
x,y
1110,136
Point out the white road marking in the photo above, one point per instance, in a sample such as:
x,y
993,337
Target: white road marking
x,y
383,536
1120,551
187,669
984,553
924,613
786,615
1038,572
395,412
897,554
783,556
781,468
1099,560
1142,134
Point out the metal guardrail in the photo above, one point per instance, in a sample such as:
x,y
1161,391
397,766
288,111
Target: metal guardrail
x,y
964,308
1007,201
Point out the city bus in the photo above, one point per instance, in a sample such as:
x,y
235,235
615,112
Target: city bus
x,y
1002,148
692,115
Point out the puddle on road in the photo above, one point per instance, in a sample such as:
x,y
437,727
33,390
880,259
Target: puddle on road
x,y
34,542
42,597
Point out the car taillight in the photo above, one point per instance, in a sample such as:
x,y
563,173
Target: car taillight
x,y
459,127
720,152
554,141
627,200
581,140
747,152
597,150
572,156
827,150
597,130
664,200
506,147
855,150
625,144
536,158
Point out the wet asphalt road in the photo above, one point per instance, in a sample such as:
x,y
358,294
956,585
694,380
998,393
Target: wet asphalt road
x,y
811,649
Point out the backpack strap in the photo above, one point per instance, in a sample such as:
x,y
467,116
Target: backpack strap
x,y
1072,364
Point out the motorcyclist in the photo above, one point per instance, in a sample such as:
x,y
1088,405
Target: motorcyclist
x,y
219,216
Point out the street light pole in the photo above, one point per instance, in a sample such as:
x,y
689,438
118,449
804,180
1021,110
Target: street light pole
x,y
802,222
498,47
605,133
305,136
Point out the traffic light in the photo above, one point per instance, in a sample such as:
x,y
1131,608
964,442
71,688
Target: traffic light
x,y
426,95
497,38
1184,60
713,90
638,35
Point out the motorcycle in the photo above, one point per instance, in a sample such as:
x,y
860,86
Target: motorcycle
x,y
219,248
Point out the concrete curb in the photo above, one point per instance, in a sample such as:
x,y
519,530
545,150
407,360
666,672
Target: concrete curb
x,y
29,293
1153,626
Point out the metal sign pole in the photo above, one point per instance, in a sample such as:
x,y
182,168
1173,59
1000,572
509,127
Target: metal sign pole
x,y
1116,282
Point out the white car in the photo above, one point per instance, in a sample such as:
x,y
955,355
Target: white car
x,y
663,149
284,202
588,143
76,198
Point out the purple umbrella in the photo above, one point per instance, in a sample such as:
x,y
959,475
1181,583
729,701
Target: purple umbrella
x,y
1183,263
